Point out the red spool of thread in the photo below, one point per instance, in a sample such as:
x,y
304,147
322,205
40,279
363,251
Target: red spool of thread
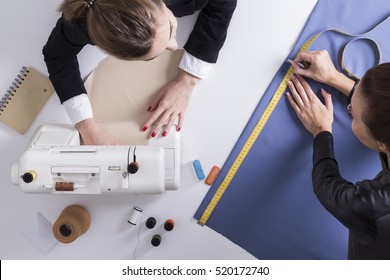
x,y
169,225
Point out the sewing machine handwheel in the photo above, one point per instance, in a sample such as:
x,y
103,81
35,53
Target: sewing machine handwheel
x,y
132,168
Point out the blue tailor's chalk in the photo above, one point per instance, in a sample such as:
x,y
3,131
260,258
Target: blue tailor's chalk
x,y
198,169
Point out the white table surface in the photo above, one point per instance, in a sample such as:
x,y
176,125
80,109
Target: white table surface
x,y
260,37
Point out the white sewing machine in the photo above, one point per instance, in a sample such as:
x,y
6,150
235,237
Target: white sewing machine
x,y
55,162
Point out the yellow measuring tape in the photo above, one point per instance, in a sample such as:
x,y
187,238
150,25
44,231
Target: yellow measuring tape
x,y
252,138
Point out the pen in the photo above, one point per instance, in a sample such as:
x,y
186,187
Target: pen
x,y
292,61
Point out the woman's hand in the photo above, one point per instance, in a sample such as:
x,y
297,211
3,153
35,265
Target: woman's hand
x,y
170,103
315,116
319,67
92,134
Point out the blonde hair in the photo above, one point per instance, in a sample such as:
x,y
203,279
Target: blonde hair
x,y
122,28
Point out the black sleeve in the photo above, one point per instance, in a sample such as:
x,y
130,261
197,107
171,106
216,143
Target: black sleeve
x,y
209,33
349,203
60,54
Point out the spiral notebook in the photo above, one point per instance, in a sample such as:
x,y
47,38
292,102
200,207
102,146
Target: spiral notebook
x,y
24,99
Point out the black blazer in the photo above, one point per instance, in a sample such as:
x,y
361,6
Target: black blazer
x,y
67,40
363,207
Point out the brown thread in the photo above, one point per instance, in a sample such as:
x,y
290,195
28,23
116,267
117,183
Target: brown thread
x,y
73,221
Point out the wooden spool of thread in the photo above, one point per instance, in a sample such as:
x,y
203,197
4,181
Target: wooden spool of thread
x,y
73,221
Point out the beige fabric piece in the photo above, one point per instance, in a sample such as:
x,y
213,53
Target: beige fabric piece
x,y
121,92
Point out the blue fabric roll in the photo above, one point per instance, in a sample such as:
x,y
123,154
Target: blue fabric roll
x,y
269,208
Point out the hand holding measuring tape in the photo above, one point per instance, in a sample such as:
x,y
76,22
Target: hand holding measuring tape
x,y
318,66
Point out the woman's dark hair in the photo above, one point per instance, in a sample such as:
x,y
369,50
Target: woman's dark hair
x,y
122,28
375,89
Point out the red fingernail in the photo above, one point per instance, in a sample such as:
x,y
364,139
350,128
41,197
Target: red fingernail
x,y
178,128
153,134
145,128
150,107
164,134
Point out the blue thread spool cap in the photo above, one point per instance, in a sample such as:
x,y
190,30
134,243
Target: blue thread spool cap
x,y
198,170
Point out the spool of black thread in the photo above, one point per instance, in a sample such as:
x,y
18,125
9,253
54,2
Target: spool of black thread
x,y
150,223
156,240
132,168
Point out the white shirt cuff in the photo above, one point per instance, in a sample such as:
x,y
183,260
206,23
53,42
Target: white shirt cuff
x,y
195,66
78,108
